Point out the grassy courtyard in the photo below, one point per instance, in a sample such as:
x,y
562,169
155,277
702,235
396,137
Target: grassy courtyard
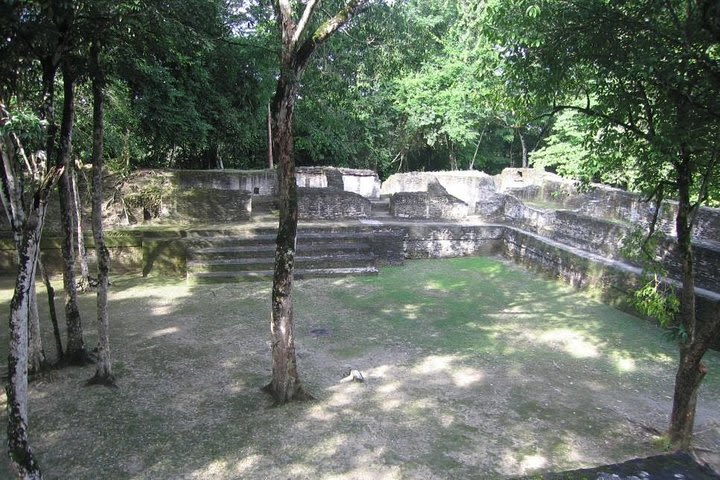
x,y
474,368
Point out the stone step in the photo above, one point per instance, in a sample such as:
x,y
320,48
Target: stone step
x,y
263,237
267,275
268,263
250,251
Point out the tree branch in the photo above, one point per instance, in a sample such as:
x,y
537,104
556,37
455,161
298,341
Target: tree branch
x,y
302,24
594,113
283,12
351,9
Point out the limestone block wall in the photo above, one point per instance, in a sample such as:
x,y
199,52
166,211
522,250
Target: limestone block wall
x,y
311,177
365,183
424,205
470,187
452,240
209,205
601,202
614,280
258,182
362,182
325,203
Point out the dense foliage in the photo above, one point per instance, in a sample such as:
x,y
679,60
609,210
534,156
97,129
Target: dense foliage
x,y
409,86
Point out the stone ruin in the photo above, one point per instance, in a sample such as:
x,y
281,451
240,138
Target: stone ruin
x,y
530,216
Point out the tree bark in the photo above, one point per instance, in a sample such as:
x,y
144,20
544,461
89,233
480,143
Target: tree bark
x,y
51,310
691,370
21,455
84,282
36,353
285,384
12,200
103,371
75,352
523,145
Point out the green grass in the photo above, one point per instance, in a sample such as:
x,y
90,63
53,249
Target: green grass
x,y
474,367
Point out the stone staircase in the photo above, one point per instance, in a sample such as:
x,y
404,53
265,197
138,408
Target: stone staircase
x,y
250,255
381,208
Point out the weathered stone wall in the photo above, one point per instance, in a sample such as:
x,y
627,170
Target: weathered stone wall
x,y
125,248
206,205
325,203
601,202
470,187
452,240
434,203
423,205
612,279
311,177
258,182
362,182
388,245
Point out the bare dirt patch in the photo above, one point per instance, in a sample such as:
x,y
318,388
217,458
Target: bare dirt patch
x,y
473,368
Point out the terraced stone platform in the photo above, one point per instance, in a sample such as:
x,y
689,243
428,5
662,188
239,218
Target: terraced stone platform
x,y
321,252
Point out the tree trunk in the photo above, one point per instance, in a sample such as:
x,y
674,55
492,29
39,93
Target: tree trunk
x,y
285,385
47,113
84,283
75,352
452,156
51,310
688,379
12,200
524,149
691,370
270,138
103,371
21,455
36,353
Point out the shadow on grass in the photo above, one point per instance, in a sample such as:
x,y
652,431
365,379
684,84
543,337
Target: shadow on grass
x,y
474,368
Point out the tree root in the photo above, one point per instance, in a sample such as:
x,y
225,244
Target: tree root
x,y
300,395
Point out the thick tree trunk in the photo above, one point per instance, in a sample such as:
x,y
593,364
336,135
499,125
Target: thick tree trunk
x,y
691,370
75,352
285,385
21,455
103,371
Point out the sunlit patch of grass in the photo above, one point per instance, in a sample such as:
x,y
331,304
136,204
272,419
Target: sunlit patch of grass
x,y
471,365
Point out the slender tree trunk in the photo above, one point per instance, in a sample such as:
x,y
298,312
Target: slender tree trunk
x,y
12,200
47,112
84,282
21,455
285,385
75,352
523,145
691,370
270,138
51,310
36,353
103,371
452,156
